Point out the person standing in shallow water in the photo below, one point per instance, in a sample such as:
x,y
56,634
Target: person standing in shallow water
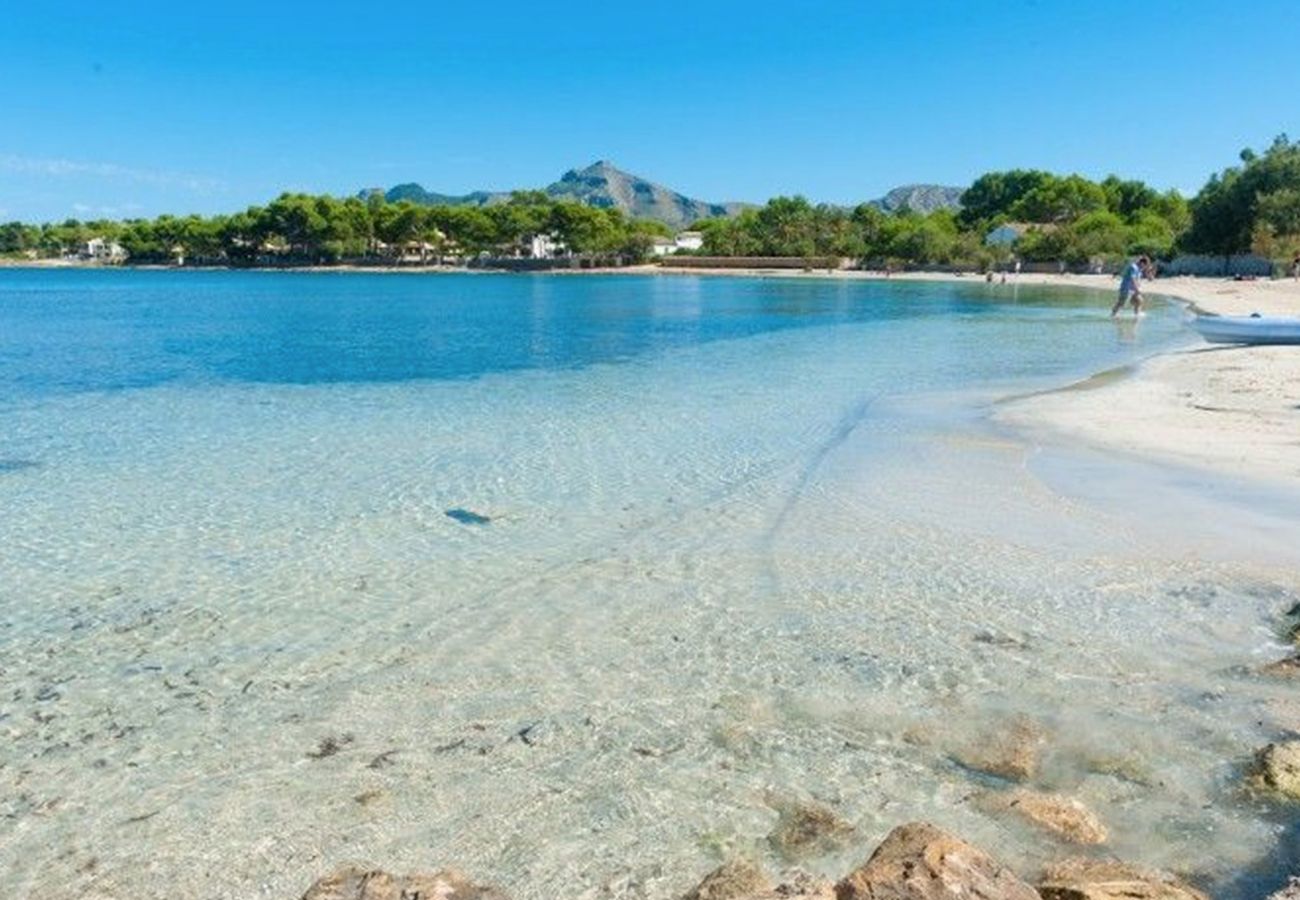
x,y
1130,290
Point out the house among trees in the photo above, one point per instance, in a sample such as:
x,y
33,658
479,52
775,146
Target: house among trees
x,y
422,252
686,240
546,246
101,250
689,240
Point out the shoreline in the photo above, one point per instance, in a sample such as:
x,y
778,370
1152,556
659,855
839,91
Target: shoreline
x,y
1218,409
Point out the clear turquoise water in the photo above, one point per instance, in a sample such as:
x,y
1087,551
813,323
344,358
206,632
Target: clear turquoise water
x,y
68,331
748,539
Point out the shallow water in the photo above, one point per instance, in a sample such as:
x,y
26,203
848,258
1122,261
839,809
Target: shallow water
x,y
747,543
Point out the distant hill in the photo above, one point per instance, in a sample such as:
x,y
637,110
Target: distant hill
x,y
601,184
922,198
417,194
604,185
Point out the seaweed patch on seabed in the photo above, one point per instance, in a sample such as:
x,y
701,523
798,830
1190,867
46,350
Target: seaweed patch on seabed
x,y
466,517
17,465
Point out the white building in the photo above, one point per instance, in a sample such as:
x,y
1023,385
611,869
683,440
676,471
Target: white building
x,y
689,240
546,246
686,240
102,251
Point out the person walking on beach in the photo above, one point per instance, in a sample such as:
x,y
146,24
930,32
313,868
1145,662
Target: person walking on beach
x,y
1130,290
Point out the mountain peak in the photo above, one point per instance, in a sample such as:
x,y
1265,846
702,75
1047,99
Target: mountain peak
x,y
600,170
604,185
921,198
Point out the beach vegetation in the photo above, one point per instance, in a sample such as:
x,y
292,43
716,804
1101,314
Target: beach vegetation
x,y
1253,207
314,229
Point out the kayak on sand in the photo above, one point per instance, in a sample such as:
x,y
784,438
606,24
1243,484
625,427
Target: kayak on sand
x,y
1248,329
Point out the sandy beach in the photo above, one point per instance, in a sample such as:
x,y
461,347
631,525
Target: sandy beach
x,y
1234,410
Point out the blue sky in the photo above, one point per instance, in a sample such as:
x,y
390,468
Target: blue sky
x,y
128,109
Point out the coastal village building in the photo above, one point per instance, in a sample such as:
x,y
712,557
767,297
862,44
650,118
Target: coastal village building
x,y
690,240
686,240
101,250
422,252
546,246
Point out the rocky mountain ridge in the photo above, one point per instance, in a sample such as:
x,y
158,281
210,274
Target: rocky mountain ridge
x,y
604,185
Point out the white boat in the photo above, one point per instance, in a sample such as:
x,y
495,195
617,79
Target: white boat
x,y
1248,329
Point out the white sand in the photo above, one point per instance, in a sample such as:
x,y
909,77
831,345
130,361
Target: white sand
x,y
1227,409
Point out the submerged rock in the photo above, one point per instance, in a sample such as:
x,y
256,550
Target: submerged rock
x,y
1096,879
1064,816
356,883
809,829
1276,768
919,735
1282,668
330,745
920,862
1125,767
1011,753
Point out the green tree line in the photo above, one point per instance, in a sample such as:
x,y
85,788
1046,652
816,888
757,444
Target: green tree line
x,y
319,229
1058,217
1251,207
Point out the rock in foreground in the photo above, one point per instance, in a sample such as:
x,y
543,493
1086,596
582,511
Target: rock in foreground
x,y
920,862
741,879
732,880
355,883
1094,879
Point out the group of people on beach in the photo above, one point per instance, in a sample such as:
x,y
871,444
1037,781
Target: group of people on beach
x,y
1130,284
